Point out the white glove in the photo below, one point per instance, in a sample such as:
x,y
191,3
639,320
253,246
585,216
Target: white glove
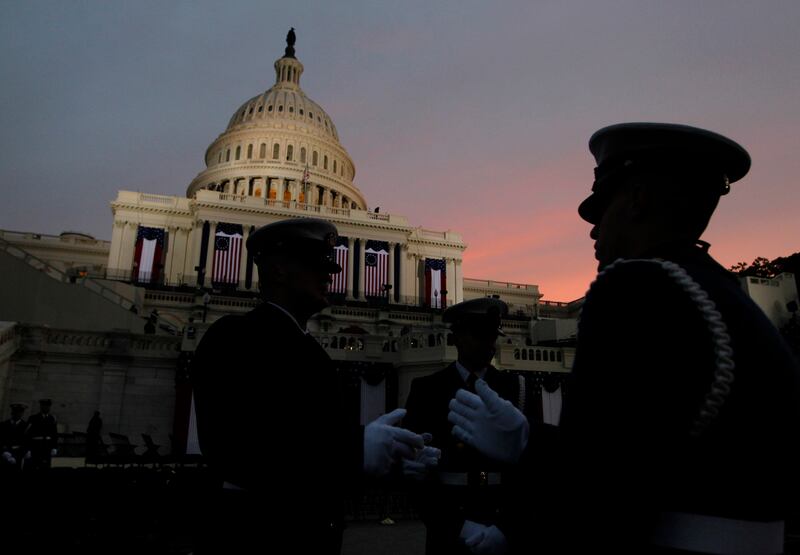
x,y
484,540
385,443
27,455
53,452
427,458
9,458
488,423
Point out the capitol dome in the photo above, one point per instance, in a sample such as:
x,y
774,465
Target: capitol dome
x,y
282,146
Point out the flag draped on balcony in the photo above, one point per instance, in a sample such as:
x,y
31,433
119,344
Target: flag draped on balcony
x,y
148,255
435,279
227,253
341,253
376,268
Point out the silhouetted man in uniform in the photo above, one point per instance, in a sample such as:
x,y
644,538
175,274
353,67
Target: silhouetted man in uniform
x,y
269,412
12,438
42,436
462,503
683,409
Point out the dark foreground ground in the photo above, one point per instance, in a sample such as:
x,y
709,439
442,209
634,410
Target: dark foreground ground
x,y
158,511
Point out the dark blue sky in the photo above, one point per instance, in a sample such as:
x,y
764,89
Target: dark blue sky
x,y
463,115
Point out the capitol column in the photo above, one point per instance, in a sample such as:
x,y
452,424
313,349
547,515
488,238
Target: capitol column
x,y
459,282
361,267
416,295
243,257
450,281
350,248
210,256
193,259
167,274
390,272
116,248
128,247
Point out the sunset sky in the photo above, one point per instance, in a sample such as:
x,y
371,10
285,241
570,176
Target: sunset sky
x,y
465,115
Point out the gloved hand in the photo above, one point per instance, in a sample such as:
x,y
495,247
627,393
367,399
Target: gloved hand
x,y
488,423
53,452
9,458
490,540
426,459
385,443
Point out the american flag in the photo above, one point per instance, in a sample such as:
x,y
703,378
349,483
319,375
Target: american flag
x,y
435,279
339,283
376,265
148,255
227,251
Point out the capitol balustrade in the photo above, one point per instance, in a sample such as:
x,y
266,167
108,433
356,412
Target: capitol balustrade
x,y
216,197
535,358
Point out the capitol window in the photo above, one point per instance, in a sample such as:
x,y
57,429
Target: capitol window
x,y
311,115
220,157
303,154
270,108
276,151
291,109
263,152
260,108
325,162
238,152
228,155
301,111
280,108
249,151
289,153
334,166
251,109
314,158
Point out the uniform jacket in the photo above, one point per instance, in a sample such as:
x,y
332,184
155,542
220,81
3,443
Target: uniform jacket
x,y
270,420
629,447
444,508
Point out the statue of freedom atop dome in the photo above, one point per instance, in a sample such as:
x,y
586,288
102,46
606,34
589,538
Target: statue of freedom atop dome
x,y
291,38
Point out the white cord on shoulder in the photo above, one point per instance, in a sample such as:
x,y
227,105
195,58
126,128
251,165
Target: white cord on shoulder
x,y
723,373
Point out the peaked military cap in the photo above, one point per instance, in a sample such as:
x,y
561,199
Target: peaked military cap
x,y
627,148
47,402
310,239
482,315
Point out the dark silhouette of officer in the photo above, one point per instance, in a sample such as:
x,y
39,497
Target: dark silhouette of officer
x,y
269,408
462,502
42,436
13,445
678,431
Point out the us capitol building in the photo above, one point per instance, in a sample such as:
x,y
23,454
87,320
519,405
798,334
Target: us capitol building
x,y
112,325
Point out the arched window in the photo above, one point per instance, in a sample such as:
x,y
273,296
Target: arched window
x,y
552,356
263,152
275,151
219,160
325,162
301,111
530,354
334,166
280,108
269,109
238,152
516,354
291,109
558,356
538,354
249,151
431,340
303,155
314,158
289,152
524,354
311,115
228,155
261,108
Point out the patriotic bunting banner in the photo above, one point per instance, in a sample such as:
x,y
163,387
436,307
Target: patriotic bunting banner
x,y
339,281
227,253
376,268
435,279
149,254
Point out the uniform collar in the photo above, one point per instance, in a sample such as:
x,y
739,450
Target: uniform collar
x,y
464,373
289,314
